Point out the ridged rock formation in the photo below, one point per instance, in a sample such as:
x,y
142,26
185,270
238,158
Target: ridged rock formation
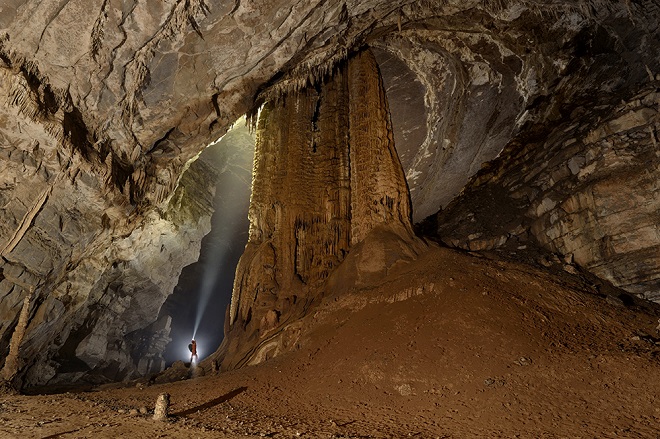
x,y
100,270
461,88
326,174
98,319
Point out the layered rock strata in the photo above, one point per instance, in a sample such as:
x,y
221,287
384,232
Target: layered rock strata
x,y
578,169
326,174
588,192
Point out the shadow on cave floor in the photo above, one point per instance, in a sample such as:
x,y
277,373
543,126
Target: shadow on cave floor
x,y
212,403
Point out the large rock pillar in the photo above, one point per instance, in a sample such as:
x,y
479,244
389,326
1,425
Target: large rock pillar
x,y
378,184
325,174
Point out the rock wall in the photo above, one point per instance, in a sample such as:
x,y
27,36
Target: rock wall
x,y
587,192
579,130
456,99
100,270
461,86
326,174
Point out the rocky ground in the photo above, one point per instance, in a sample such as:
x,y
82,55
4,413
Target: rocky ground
x,y
454,345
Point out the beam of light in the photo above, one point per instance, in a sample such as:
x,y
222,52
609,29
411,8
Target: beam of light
x,y
230,225
209,279
228,220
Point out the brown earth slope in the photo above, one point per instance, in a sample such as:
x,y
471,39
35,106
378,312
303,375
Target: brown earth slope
x,y
449,346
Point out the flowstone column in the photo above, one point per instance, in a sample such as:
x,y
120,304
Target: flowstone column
x,y
379,191
325,174
300,206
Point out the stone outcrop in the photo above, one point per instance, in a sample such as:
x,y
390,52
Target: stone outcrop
x,y
99,280
456,100
461,88
326,175
103,310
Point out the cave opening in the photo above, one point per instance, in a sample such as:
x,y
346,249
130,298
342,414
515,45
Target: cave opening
x,y
199,300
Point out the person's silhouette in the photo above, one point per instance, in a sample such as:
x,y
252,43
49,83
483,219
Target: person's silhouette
x,y
193,351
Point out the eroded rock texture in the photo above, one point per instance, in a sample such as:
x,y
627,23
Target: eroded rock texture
x,y
579,176
326,175
99,287
461,86
100,269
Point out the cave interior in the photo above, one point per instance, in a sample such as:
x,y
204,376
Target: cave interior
x,y
510,130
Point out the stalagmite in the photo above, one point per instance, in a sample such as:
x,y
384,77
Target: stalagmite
x,y
10,369
161,411
325,174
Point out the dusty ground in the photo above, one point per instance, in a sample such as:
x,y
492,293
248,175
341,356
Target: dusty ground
x,y
451,346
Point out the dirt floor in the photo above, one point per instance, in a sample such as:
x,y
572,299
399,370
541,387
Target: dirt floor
x,y
450,346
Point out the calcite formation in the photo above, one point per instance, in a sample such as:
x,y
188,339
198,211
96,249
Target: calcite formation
x,y
106,103
326,174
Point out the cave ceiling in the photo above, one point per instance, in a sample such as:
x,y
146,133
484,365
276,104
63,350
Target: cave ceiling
x,y
151,83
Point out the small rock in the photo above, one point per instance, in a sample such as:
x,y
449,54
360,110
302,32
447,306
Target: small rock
x,y
405,390
133,412
494,382
122,411
143,410
523,361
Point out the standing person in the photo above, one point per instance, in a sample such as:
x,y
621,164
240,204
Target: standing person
x,y
193,352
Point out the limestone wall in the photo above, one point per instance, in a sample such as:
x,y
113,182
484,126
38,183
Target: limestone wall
x,y
99,269
588,192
